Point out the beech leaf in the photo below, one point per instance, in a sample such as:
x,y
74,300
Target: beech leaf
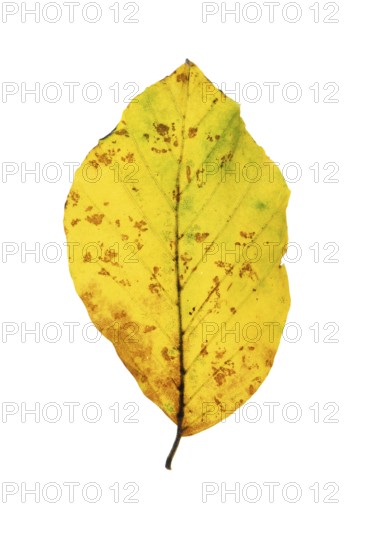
x,y
176,224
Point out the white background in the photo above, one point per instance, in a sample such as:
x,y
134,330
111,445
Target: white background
x,y
170,512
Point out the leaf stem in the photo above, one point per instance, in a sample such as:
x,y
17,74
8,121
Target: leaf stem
x,y
168,463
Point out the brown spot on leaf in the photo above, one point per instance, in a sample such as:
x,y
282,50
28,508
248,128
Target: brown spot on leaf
x,y
185,259
122,132
128,158
124,282
200,237
96,219
269,358
221,373
159,150
249,271
74,197
109,256
75,221
149,328
203,351
165,354
226,265
226,158
188,173
104,158
119,314
247,235
155,288
198,172
192,132
141,225
93,163
182,77
87,299
162,129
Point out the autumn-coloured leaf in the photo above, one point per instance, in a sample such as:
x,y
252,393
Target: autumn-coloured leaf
x,y
176,223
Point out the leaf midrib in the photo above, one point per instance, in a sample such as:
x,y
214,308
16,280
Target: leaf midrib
x,y
180,413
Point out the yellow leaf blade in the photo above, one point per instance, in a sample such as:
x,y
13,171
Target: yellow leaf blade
x,y
181,220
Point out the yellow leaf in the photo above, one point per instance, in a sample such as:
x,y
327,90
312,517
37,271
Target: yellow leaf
x,y
176,223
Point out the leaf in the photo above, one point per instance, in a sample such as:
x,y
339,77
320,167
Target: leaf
x,y
179,220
